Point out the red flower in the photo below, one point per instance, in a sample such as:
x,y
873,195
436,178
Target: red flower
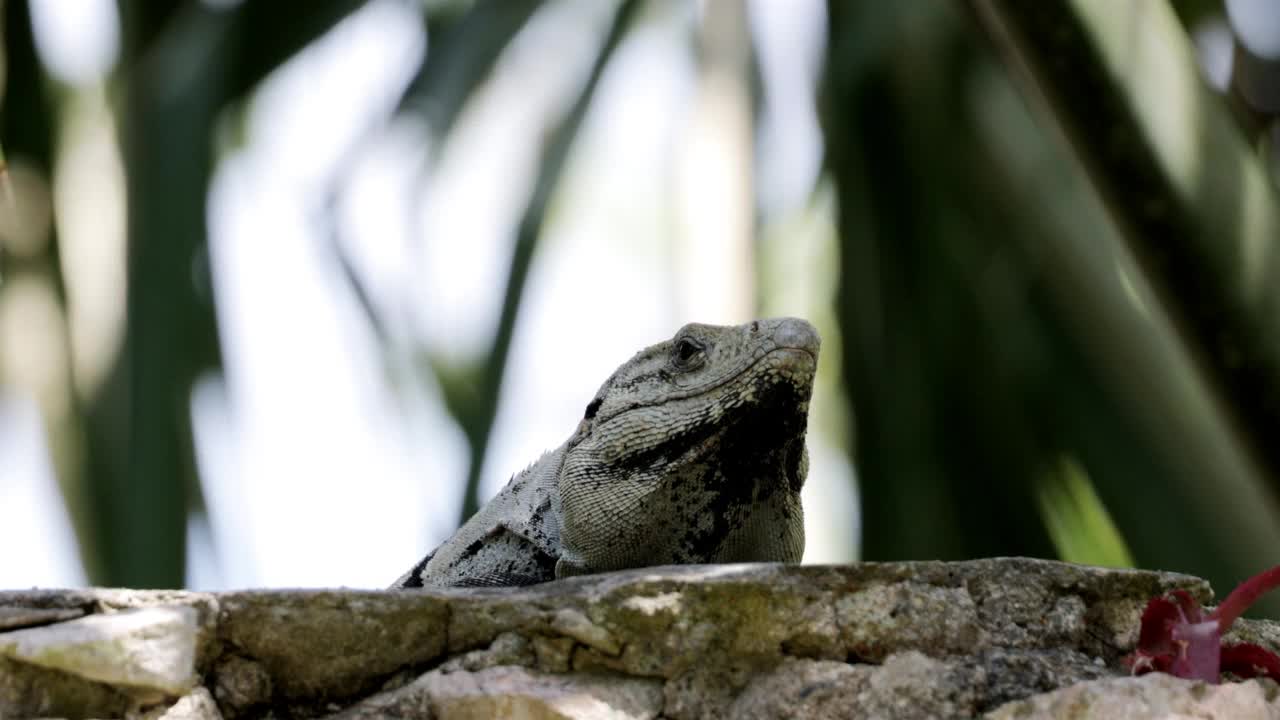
x,y
1179,638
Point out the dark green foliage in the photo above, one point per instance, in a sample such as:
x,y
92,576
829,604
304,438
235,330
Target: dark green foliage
x,y
985,336
182,64
27,137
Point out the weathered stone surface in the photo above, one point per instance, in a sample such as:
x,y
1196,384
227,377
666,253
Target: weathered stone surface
x,y
15,618
1265,633
32,691
1150,697
907,685
109,600
196,705
323,645
871,640
240,684
145,649
507,649
1015,673
504,691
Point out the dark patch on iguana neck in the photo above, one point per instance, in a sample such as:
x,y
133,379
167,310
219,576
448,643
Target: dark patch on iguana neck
x,y
692,451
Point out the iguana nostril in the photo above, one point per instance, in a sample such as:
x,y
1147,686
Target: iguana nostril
x,y
796,333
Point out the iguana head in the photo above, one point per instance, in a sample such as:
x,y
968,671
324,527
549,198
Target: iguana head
x,y
693,451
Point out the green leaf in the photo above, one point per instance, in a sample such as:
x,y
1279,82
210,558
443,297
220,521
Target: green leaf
x,y
1078,522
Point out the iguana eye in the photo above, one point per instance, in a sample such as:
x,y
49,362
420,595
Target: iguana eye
x,y
686,354
592,408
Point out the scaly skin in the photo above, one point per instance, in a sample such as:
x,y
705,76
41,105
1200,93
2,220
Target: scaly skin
x,y
692,452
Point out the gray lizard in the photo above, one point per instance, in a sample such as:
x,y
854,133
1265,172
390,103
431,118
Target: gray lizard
x,y
692,452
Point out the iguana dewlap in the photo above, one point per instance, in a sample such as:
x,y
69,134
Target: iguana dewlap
x,y
692,452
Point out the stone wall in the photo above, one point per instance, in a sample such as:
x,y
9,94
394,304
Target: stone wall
x,y
896,640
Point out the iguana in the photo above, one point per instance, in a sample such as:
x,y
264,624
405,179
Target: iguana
x,y
692,452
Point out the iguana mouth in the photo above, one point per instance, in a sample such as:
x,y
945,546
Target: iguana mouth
x,y
778,399
801,354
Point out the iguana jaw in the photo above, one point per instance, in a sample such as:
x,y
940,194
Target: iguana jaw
x,y
769,398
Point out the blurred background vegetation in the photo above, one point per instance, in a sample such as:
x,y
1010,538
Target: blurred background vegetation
x,y
1040,240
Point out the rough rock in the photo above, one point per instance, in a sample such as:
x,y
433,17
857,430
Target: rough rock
x,y
907,685
902,640
325,645
506,691
14,618
196,705
147,649
240,684
32,691
1150,697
